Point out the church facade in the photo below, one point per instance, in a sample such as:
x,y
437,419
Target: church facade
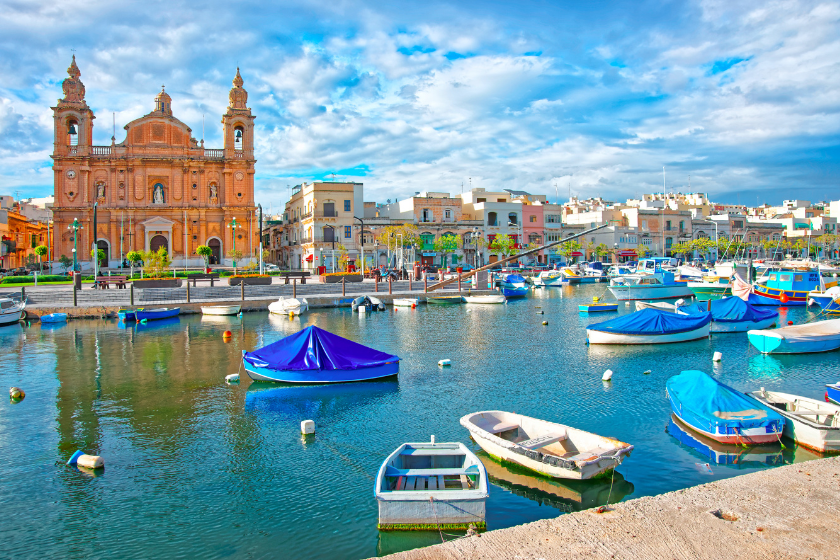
x,y
160,187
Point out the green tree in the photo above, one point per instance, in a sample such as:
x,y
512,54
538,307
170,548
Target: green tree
x,y
703,245
65,262
41,251
681,249
503,244
642,250
566,249
206,252
343,259
601,250
98,254
156,263
134,257
447,244
234,255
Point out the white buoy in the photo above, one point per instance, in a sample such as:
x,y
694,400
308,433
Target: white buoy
x,y
90,461
446,362
232,378
607,375
433,439
627,304
646,372
717,357
307,427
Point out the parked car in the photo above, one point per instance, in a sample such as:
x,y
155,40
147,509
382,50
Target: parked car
x,y
271,267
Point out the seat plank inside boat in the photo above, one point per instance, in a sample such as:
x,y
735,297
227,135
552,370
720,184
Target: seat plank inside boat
x,y
501,427
542,441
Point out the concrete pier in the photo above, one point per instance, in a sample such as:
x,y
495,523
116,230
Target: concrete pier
x,y
786,512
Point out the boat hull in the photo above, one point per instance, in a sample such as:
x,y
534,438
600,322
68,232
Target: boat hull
x,y
406,302
826,303
54,318
443,512
485,299
598,307
832,393
802,429
630,293
221,310
154,314
445,300
321,376
766,343
742,326
126,315
773,296
705,291
601,337
751,436
11,318
518,292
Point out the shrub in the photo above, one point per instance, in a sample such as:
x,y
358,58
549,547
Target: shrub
x,y
30,279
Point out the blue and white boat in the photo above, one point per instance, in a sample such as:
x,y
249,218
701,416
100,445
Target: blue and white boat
x,y
832,392
650,326
153,314
820,336
54,318
314,355
126,315
650,281
512,293
722,454
786,286
513,281
732,314
828,300
718,411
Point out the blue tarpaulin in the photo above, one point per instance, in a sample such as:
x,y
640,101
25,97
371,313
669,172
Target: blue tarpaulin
x,y
317,349
705,402
731,310
514,279
652,321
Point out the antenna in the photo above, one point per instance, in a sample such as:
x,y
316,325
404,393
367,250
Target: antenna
x,y
115,124
202,127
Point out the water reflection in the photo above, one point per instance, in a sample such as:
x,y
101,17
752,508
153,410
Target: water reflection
x,y
310,402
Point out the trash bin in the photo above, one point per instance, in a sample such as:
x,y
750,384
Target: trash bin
x,y
77,280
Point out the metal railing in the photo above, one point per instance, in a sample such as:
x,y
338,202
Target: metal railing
x,y
327,214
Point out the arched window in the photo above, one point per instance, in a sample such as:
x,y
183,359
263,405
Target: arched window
x,y
238,138
72,133
492,219
513,218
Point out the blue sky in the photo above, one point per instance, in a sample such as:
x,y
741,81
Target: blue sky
x,y
409,96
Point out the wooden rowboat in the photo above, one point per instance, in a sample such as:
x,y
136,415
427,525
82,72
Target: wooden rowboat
x,y
220,309
809,422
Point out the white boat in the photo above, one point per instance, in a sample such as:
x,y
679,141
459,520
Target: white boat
x,y
364,304
406,302
548,278
492,298
11,311
809,422
821,336
651,281
690,273
551,449
650,326
431,486
661,305
220,309
289,306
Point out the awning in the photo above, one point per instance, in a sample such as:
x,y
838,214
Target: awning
x,y
576,254
309,258
627,253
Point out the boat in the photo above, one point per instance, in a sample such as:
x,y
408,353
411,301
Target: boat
x,y
660,305
732,314
11,311
716,453
313,355
618,270
721,413
690,273
832,393
220,309
154,314
820,336
366,304
650,326
593,272
570,275
548,278
711,287
651,281
548,448
488,299
126,315
828,300
513,281
54,318
431,486
513,293
811,423
785,286
597,307
406,302
289,306
444,300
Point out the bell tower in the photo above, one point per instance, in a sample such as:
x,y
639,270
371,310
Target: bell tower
x,y
73,119
238,123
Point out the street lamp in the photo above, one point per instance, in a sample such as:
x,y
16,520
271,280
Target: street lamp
x,y
233,227
75,227
361,243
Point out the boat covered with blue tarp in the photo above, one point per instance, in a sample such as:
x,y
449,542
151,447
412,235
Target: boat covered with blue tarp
x,y
513,281
314,355
718,411
650,326
732,314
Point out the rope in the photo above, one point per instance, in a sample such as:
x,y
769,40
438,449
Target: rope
x,y
437,522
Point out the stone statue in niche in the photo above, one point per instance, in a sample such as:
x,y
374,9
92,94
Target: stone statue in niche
x,y
214,191
100,190
157,194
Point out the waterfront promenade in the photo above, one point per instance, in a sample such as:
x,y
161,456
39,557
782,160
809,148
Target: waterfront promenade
x,y
787,512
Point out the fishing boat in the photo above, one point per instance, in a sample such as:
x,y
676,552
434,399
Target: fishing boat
x,y
710,287
431,486
597,306
512,293
314,355
220,309
488,299
406,302
593,272
651,281
367,304
820,336
571,275
154,314
127,315
786,286
289,306
548,278
811,423
444,300
54,318
11,311
721,413
618,270
732,314
548,448
832,392
650,326
828,300
716,453
513,281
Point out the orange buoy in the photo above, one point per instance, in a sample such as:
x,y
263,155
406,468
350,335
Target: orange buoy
x,y
783,298
790,322
227,334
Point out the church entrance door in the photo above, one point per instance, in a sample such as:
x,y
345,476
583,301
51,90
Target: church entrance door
x,y
216,247
157,242
102,244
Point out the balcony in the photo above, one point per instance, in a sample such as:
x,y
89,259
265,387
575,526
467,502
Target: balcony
x,y
214,154
305,240
101,150
306,215
327,214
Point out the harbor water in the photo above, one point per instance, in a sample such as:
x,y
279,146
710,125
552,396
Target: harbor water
x,y
195,468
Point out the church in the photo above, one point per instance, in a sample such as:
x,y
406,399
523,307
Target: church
x,y
159,187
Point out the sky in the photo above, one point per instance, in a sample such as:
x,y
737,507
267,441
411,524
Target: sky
x,y
740,100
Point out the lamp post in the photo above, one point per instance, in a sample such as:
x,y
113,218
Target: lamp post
x,y
361,243
233,227
75,227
